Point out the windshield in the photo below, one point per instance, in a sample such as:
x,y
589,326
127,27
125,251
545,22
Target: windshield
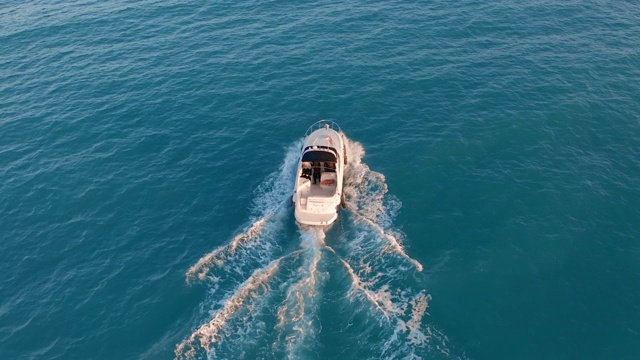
x,y
319,156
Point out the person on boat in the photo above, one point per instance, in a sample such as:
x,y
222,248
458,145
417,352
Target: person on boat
x,y
316,172
306,170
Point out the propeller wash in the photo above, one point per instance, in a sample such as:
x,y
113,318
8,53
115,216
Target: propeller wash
x,y
274,292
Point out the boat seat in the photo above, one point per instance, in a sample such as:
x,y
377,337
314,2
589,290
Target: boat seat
x,y
328,180
306,173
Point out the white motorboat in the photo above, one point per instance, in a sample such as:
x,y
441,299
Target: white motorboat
x,y
317,193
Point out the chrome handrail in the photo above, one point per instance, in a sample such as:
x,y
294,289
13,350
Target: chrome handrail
x,y
321,124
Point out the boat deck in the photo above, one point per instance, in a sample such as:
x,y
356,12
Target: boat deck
x,y
315,190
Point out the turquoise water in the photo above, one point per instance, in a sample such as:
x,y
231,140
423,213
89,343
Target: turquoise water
x,y
147,151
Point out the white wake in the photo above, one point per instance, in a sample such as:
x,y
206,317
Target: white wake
x,y
297,321
258,238
267,300
209,333
365,192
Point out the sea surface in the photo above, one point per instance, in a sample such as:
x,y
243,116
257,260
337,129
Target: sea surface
x,y
147,158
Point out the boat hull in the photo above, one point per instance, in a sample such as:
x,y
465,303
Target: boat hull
x,y
319,182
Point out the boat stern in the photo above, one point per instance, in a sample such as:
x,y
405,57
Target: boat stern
x,y
315,218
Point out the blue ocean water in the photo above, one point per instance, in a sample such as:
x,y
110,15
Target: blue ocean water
x,y
147,151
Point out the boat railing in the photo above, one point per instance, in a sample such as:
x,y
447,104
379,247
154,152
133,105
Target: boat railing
x,y
322,124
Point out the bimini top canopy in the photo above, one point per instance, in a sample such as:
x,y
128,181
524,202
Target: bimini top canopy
x,y
319,155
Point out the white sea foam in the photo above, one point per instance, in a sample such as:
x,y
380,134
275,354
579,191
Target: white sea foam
x,y
220,254
298,312
360,286
377,263
208,333
371,253
268,205
365,191
251,249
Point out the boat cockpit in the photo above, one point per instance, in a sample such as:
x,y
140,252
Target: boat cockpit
x,y
319,172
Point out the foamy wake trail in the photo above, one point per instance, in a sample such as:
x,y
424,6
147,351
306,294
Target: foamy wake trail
x,y
209,333
297,314
365,191
401,308
218,256
381,272
394,300
381,303
247,261
268,204
269,307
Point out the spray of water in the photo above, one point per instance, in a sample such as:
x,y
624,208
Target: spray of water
x,y
365,191
208,333
219,255
296,315
269,207
277,297
379,267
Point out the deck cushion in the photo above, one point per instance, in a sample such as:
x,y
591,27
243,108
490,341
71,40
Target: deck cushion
x,y
328,179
